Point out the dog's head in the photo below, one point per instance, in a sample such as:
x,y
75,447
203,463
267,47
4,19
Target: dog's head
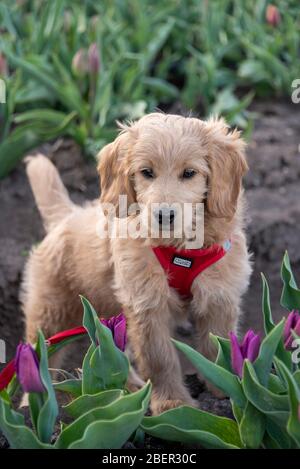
x,y
173,160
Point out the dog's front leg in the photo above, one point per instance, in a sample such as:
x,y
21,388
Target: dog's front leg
x,y
157,360
142,288
218,314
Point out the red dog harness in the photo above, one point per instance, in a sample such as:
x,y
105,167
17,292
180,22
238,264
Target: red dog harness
x,y
182,267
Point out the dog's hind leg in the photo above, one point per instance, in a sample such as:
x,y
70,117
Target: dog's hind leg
x,y
50,320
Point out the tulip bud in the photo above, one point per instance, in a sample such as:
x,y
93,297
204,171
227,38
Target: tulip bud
x,y
68,20
292,323
3,66
248,349
80,64
117,325
94,59
94,22
272,15
27,369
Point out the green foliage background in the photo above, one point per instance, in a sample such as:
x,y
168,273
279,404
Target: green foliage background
x,y
211,56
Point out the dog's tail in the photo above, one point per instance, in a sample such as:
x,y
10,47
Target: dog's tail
x,y
50,194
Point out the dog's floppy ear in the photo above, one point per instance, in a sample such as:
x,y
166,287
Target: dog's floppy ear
x,y
227,164
114,172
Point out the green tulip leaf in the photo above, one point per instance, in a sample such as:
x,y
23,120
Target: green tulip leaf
x,y
293,426
194,427
29,135
5,396
36,401
13,386
107,427
252,427
269,442
273,405
90,318
161,87
15,146
266,306
67,93
297,378
263,363
237,411
109,364
278,437
276,385
87,402
18,435
45,402
70,386
290,296
221,378
91,384
224,351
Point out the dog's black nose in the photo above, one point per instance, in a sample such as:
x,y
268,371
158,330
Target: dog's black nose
x,y
165,216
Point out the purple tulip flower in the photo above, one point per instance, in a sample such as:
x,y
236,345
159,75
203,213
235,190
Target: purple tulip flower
x,y
28,369
117,325
249,349
94,59
291,324
273,16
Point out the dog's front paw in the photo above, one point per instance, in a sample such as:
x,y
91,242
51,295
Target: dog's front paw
x,y
161,405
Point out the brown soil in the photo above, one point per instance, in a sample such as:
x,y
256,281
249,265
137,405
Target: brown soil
x,y
273,193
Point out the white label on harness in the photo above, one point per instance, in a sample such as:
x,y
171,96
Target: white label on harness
x,y
182,262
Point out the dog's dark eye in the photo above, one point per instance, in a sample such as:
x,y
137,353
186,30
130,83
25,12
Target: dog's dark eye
x,y
147,173
188,173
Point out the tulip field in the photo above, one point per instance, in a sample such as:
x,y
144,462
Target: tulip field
x,y
72,68
69,70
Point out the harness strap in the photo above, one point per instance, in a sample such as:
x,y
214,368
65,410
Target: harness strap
x,y
183,266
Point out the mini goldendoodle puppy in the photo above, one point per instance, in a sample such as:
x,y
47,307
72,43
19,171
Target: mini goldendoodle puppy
x,y
158,159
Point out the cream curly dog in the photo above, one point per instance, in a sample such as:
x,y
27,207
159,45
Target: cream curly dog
x,y
159,158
